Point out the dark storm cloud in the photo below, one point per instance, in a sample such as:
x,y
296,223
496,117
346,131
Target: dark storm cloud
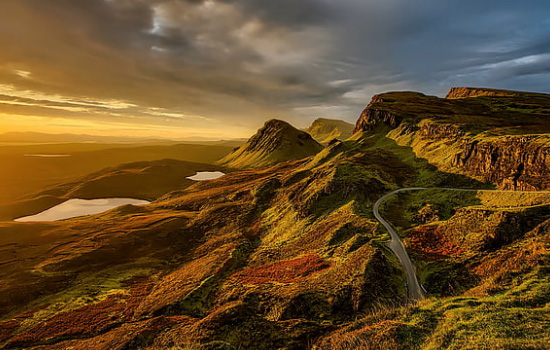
x,y
242,61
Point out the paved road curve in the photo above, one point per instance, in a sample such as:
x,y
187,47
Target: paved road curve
x,y
415,291
396,245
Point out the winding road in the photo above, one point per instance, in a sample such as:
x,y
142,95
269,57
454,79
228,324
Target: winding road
x,y
415,290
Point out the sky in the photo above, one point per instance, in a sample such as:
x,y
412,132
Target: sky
x,y
219,68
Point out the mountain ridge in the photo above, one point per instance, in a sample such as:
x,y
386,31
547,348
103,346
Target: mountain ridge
x,y
470,92
504,139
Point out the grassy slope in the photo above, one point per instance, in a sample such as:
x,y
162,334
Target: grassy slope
x,y
485,259
277,141
244,159
250,243
496,251
324,130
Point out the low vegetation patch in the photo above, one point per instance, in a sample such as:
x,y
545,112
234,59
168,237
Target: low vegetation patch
x,y
284,271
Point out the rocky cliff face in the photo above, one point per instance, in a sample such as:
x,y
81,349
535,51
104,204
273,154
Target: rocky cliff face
x,y
518,163
277,141
505,141
372,117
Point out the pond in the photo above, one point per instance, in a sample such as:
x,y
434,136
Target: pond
x,y
80,207
40,155
206,175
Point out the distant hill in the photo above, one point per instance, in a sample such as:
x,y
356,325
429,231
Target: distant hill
x,y
144,180
21,175
39,137
324,130
277,141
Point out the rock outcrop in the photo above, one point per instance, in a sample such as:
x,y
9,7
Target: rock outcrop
x,y
277,141
504,140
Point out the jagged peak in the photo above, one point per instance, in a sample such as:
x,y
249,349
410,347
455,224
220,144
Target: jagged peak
x,y
276,141
277,129
277,123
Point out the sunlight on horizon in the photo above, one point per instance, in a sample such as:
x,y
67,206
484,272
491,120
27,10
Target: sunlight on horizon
x,y
53,125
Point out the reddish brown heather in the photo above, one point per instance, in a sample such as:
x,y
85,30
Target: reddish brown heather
x,y
283,271
140,287
129,335
432,244
30,312
513,259
89,319
7,328
86,320
378,336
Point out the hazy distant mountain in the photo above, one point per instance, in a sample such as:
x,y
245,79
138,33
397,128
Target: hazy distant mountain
x,y
277,141
38,137
324,130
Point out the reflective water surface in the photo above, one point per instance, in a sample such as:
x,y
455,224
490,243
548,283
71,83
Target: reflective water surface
x,y
206,175
80,207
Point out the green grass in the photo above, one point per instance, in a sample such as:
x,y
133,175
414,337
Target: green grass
x,y
261,224
276,142
325,130
472,115
504,321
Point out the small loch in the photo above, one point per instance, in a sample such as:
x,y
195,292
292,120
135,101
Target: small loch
x,y
40,155
73,208
206,175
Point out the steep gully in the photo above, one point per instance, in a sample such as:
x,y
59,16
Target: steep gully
x,y
415,291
